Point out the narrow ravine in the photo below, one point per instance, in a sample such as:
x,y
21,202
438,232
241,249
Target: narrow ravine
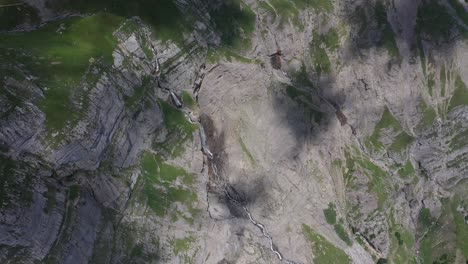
x,y
223,183
219,180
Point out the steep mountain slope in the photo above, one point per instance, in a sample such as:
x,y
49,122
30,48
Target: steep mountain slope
x,y
304,131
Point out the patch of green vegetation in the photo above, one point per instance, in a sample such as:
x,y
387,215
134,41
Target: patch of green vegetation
x,y
443,79
425,218
324,252
401,142
407,170
179,130
295,93
443,240
388,121
267,7
61,59
433,20
137,251
430,83
319,5
188,100
163,15
459,141
301,77
229,54
330,214
341,232
236,23
182,244
50,199
349,168
159,186
331,39
15,13
402,243
138,94
7,170
436,245
378,178
304,99
422,55
429,115
388,38
15,182
144,44
322,62
461,225
246,151
460,96
287,11
73,192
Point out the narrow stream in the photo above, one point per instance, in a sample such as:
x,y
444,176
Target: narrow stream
x,y
221,181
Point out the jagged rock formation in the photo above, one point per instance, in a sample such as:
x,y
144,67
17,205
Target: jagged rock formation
x,y
176,132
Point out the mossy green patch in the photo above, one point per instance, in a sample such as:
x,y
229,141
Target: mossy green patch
x,y
388,121
188,100
287,11
323,251
378,179
433,20
236,23
458,205
179,130
341,232
304,99
319,55
59,57
215,55
301,77
15,182
407,170
429,115
160,187
460,96
73,192
318,5
267,7
139,94
330,214
50,198
7,167
182,244
443,80
430,83
163,15
331,39
459,141
401,142
425,218
438,241
388,36
246,151
402,243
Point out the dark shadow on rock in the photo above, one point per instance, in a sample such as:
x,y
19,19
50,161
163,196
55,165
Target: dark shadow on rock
x,y
416,25
307,111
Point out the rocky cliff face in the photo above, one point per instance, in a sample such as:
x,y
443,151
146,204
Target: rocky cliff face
x,y
234,132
